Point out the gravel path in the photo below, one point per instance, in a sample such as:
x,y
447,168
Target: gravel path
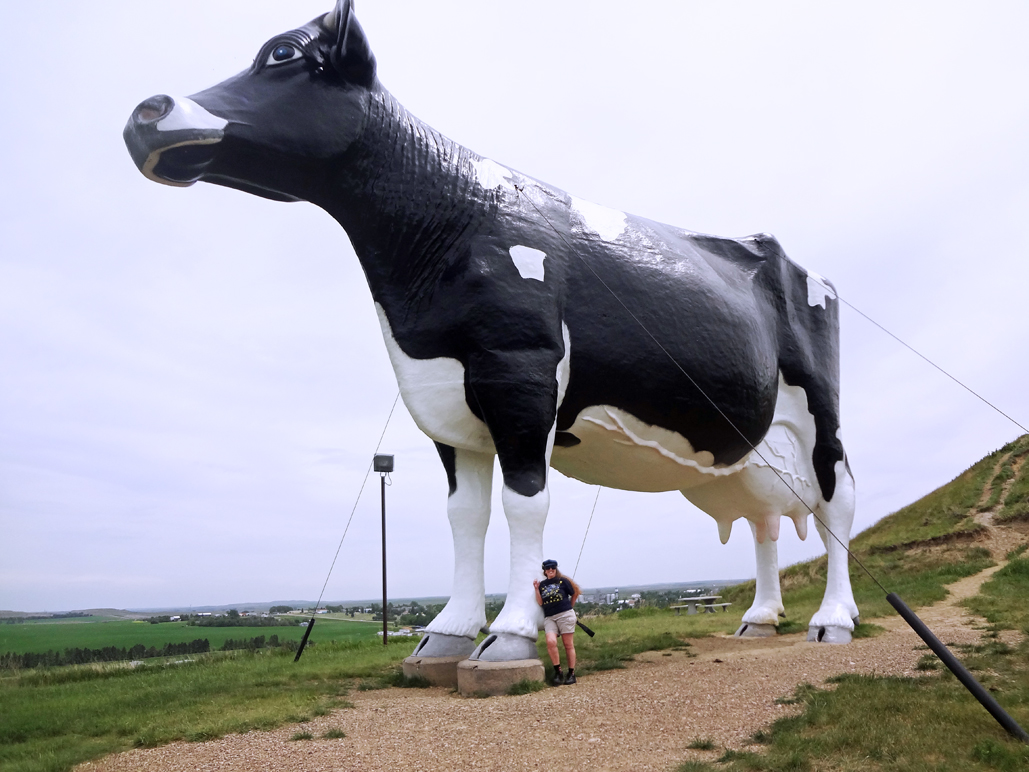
x,y
640,718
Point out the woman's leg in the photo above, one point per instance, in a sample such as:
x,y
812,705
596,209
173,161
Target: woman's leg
x,y
569,641
555,657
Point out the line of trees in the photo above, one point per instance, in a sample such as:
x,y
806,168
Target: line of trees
x,y
84,656
77,656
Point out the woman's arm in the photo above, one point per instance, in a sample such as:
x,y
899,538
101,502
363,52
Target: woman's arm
x,y
536,584
575,593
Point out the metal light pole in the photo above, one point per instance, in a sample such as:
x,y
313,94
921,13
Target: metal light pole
x,y
383,464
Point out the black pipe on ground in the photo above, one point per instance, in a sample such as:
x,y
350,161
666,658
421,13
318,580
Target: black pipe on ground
x,y
303,641
959,670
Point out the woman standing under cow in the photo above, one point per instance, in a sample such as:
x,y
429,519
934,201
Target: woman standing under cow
x,y
557,595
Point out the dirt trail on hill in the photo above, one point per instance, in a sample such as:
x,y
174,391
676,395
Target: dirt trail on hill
x,y
640,718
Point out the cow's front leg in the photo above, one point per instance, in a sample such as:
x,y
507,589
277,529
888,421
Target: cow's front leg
x,y
452,633
835,619
520,410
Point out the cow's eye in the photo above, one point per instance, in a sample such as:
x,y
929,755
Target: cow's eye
x,y
283,53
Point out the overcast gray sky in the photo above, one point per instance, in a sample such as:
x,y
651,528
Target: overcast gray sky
x,y
193,381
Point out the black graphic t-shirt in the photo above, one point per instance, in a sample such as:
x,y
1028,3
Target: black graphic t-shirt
x,y
557,595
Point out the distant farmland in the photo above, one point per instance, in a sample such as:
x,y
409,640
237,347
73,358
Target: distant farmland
x,y
39,637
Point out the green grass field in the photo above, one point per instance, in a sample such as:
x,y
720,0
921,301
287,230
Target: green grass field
x,y
41,637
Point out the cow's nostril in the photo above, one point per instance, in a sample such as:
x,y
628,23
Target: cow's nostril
x,y
154,109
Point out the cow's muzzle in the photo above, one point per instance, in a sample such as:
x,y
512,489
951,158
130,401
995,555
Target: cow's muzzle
x,y
172,141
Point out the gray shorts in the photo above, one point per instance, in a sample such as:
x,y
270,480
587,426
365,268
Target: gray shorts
x,y
562,623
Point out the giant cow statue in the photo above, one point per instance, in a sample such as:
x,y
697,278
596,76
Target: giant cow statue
x,y
528,324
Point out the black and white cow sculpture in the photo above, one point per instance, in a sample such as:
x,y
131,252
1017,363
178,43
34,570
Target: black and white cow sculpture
x,y
501,304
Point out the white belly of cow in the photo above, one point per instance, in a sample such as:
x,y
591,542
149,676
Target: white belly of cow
x,y
618,450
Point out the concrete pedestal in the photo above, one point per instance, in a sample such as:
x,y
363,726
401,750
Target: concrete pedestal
x,y
478,677
439,671
756,631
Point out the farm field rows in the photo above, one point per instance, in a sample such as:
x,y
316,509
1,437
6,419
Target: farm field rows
x,y
38,637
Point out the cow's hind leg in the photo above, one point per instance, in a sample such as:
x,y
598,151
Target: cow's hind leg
x,y
835,619
452,633
762,618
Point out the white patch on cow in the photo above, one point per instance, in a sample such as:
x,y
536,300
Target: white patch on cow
x,y
818,289
564,367
528,261
609,224
187,114
490,174
433,390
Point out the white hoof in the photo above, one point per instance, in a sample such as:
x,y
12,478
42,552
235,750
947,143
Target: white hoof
x,y
763,615
828,634
441,645
503,647
756,631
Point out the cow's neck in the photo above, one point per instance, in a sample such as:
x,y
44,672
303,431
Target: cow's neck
x,y
404,197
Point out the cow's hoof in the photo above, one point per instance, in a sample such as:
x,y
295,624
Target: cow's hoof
x,y
440,645
828,634
749,630
504,647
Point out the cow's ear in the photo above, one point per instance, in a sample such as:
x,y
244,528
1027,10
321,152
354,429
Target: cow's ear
x,y
351,56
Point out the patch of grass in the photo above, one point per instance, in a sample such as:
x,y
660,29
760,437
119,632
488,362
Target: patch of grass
x,y
526,686
695,766
609,651
928,662
54,719
800,693
334,734
701,744
301,736
1002,599
1017,552
398,679
1016,503
867,630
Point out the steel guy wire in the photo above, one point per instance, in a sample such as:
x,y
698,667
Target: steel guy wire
x,y
917,353
588,524
364,482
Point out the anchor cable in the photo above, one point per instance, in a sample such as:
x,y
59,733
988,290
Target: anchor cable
x,y
364,482
310,624
588,524
917,353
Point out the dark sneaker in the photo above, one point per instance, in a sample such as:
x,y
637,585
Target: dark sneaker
x,y
570,679
558,678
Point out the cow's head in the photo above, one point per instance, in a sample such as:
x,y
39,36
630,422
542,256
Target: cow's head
x,y
272,130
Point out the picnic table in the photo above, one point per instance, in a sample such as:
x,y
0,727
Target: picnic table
x,y
706,601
